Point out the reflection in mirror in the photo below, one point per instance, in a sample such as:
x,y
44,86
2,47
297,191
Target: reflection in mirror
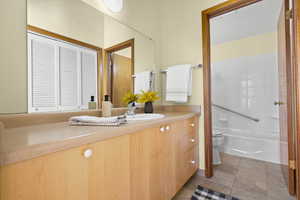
x,y
62,73
118,37
120,71
66,67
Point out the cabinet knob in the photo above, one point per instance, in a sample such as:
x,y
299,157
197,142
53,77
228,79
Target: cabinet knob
x,y
193,162
193,140
88,153
168,128
192,125
162,129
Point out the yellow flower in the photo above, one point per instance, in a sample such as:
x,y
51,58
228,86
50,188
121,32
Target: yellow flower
x,y
150,96
130,98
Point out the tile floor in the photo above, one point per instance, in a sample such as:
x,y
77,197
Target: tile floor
x,y
244,178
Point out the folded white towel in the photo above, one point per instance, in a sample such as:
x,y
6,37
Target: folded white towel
x,y
97,121
179,83
143,81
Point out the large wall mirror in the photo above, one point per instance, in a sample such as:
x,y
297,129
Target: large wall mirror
x,y
77,54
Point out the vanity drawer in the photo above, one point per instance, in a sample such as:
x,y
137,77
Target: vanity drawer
x,y
191,126
191,162
189,141
187,165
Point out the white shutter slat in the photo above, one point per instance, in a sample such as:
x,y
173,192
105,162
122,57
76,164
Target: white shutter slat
x,y
88,77
43,76
68,78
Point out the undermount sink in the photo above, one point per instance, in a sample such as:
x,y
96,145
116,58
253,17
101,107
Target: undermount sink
x,y
138,117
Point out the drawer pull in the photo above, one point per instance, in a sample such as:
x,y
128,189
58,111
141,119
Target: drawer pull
x,y
88,153
193,140
168,128
193,162
162,129
192,125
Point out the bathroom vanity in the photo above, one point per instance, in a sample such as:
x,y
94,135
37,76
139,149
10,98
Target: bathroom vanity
x,y
138,161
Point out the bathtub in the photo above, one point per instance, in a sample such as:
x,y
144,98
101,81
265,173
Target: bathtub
x,y
256,146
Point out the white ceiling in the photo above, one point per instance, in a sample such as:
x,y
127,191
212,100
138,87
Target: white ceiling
x,y
248,21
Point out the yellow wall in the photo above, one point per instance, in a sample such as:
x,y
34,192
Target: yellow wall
x,y
71,18
250,46
13,57
181,43
115,33
142,15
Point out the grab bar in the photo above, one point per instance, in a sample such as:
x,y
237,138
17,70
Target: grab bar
x,y
237,113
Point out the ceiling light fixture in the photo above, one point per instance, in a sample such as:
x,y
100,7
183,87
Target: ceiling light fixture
x,y
114,5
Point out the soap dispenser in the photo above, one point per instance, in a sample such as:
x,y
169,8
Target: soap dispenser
x,y
92,103
106,107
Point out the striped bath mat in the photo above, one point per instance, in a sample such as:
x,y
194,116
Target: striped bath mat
x,y
202,193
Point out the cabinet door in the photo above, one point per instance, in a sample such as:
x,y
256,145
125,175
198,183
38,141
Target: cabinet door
x,y
159,164
167,159
152,163
62,175
145,150
109,177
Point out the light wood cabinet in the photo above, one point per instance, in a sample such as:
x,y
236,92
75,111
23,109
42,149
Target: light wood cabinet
x,y
145,150
187,150
102,173
109,167
163,159
62,175
151,165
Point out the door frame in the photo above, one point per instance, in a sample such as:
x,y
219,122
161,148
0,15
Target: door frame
x,y
108,76
296,55
221,9
208,14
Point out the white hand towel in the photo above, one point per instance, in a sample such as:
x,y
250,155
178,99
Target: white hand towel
x,y
179,83
143,82
97,121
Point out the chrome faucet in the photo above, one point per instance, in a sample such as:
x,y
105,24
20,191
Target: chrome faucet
x,y
131,109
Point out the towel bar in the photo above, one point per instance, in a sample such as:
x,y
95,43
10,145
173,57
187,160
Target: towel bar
x,y
194,67
152,74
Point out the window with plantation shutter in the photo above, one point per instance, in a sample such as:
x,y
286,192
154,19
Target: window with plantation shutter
x,y
43,91
88,77
69,78
61,76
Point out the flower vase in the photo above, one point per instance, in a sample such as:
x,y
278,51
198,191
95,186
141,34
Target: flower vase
x,y
148,107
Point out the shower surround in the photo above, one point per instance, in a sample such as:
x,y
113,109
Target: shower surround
x,y
247,85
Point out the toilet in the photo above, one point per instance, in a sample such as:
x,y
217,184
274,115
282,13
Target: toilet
x,y
218,141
